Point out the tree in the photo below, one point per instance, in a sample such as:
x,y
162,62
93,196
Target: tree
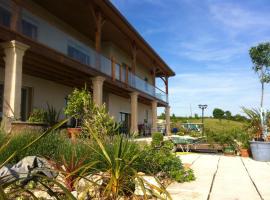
x,y
173,117
218,113
162,116
228,114
260,57
196,116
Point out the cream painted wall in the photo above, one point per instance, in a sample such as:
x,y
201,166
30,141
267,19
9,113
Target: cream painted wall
x,y
47,91
44,91
119,104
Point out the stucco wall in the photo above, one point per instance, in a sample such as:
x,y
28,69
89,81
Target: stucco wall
x,y
47,91
44,91
119,104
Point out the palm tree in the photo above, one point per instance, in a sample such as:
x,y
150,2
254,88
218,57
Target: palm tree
x,y
260,56
254,125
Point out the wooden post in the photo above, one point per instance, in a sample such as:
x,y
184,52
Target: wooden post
x,y
99,23
154,76
120,71
134,62
113,68
167,84
134,57
127,71
154,80
16,15
167,88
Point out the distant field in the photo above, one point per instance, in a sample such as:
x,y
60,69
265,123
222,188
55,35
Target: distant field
x,y
217,125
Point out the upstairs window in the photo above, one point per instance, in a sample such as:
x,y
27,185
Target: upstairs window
x,y
5,17
78,55
30,30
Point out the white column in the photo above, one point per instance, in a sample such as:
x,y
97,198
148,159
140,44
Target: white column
x,y
98,89
134,112
14,52
168,126
154,116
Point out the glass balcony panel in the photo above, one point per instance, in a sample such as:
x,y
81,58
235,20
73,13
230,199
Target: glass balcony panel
x,y
106,66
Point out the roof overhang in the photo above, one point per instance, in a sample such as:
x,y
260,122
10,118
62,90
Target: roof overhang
x,y
117,29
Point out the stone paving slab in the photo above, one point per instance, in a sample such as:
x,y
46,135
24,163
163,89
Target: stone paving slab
x,y
231,180
204,168
260,174
189,158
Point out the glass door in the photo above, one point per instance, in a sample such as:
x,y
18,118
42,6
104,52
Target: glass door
x,y
125,122
26,103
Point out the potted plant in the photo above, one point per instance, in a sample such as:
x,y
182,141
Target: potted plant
x,y
260,56
254,129
243,144
78,102
227,140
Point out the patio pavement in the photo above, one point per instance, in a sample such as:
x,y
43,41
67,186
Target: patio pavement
x,y
220,177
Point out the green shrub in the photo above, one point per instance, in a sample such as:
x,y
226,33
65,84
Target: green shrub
x,y
225,137
154,161
79,101
38,116
157,139
52,115
55,146
98,120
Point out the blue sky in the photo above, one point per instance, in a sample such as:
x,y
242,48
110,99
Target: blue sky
x,y
206,43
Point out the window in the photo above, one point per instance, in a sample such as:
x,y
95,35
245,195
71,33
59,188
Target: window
x,y
78,55
146,116
124,122
26,103
30,30
5,17
1,100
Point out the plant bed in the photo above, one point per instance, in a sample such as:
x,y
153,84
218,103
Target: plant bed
x,y
260,150
19,126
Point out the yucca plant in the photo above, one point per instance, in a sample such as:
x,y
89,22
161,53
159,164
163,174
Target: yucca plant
x,y
254,124
52,115
119,155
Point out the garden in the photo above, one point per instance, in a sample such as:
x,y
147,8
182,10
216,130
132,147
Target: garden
x,y
92,160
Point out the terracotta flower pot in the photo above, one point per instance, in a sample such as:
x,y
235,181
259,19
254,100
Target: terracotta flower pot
x,y
73,133
244,152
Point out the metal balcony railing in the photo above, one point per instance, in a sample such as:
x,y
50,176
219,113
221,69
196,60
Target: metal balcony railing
x,y
122,73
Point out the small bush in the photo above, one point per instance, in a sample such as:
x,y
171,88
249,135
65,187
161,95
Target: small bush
x,y
55,146
38,116
157,139
155,161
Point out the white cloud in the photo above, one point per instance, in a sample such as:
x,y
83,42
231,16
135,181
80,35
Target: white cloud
x,y
236,17
228,91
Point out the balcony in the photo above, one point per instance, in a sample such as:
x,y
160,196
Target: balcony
x,y
60,42
121,73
